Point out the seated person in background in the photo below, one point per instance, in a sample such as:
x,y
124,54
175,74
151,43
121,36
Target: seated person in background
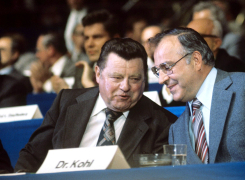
x,y
77,116
53,62
147,33
211,31
14,87
233,43
99,27
78,10
212,125
134,25
5,164
78,52
25,58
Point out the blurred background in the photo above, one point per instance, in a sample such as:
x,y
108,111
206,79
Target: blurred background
x,y
33,17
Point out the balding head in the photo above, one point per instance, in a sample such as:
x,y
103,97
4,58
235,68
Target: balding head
x,y
146,34
202,26
210,30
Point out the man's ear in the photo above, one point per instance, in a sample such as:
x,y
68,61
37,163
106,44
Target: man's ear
x,y
97,73
15,55
50,50
197,58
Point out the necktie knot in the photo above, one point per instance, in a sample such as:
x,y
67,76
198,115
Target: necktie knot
x,y
196,104
112,115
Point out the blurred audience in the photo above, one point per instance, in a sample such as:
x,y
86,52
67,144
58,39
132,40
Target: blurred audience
x,y
232,10
78,52
99,27
147,33
14,86
25,57
211,31
134,26
53,62
78,11
233,43
5,164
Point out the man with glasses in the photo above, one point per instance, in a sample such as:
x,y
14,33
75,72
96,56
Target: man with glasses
x,y
212,125
211,31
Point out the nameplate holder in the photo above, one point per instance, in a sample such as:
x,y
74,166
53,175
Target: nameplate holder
x,y
154,96
19,113
83,159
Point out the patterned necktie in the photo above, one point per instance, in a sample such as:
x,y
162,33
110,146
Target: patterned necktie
x,y
201,146
107,134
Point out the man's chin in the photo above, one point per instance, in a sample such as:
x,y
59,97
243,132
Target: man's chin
x,y
177,98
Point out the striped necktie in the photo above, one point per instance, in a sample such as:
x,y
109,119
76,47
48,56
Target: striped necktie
x,y
201,146
107,134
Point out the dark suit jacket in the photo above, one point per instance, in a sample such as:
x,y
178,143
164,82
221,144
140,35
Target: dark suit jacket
x,y
227,122
14,89
145,130
228,63
5,165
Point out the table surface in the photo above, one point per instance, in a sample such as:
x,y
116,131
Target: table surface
x,y
224,171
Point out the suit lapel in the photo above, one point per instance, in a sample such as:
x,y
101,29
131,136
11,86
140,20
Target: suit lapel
x,y
219,110
134,128
77,117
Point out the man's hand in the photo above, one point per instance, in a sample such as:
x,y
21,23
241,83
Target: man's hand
x,y
58,84
39,74
88,74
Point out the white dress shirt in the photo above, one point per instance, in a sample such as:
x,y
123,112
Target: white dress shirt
x,y
57,69
96,122
6,71
204,95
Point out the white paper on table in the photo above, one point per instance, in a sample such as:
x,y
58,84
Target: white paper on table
x,y
19,113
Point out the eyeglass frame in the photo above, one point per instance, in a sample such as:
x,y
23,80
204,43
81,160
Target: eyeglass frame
x,y
155,69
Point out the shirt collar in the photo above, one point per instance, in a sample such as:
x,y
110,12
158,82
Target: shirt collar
x,y
100,106
6,70
58,66
205,93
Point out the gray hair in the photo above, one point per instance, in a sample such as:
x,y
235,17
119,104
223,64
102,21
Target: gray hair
x,y
190,40
56,40
216,12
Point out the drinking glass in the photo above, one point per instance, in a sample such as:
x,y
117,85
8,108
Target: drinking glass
x,y
178,153
152,160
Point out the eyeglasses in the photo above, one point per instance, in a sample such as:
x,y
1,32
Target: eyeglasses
x,y
165,67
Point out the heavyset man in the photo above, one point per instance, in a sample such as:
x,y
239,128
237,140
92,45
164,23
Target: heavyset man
x,y
77,116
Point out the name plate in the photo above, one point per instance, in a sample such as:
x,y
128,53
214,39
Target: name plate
x,y
85,158
19,113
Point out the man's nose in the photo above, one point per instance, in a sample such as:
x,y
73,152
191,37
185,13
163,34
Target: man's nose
x,y
90,42
163,78
124,85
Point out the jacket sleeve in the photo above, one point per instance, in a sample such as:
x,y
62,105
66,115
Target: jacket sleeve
x,y
33,154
